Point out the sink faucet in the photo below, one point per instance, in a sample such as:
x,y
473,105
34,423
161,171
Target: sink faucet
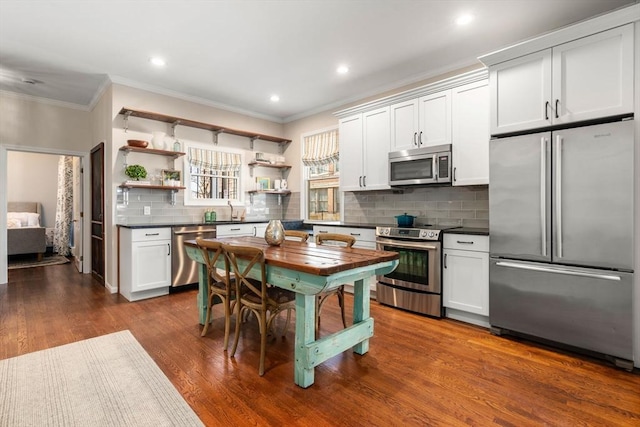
x,y
231,206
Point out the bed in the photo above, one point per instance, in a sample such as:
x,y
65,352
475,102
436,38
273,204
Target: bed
x,y
25,235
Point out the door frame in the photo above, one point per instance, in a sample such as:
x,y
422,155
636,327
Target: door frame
x,y
4,148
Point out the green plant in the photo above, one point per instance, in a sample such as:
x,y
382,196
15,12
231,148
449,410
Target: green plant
x,y
135,172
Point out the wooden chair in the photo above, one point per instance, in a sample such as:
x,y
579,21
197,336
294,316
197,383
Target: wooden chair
x,y
296,235
219,285
256,296
332,238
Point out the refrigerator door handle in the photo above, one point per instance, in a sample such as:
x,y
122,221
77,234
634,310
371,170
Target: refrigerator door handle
x,y
543,194
566,271
558,178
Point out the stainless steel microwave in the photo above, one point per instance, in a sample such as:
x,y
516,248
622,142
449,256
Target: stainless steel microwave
x,y
426,165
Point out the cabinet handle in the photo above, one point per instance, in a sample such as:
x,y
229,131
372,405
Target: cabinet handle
x,y
445,261
234,229
151,234
169,247
364,181
546,110
355,234
454,174
360,181
322,231
557,101
420,138
462,242
415,139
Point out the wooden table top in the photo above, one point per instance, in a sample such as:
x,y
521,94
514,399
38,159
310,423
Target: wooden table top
x,y
320,260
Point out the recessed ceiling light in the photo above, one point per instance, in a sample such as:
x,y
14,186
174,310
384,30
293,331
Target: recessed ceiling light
x,y
342,69
158,62
464,19
275,98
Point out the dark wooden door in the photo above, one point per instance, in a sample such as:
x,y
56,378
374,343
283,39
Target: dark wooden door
x,y
97,212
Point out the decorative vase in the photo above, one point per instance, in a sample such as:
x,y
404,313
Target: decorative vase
x,y
158,140
274,234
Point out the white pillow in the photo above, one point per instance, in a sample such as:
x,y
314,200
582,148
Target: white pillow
x,y
13,223
27,219
33,220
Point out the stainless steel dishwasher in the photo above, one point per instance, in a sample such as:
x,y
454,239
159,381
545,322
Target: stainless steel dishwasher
x,y
184,271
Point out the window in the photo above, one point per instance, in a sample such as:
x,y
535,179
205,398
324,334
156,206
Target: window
x,y
321,175
212,176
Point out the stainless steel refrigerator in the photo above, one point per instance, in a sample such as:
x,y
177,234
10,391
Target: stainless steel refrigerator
x,y
561,227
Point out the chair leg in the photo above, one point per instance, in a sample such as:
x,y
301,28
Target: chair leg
x,y
341,302
263,341
237,334
227,322
207,318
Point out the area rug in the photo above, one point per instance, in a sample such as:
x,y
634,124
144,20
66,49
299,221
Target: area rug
x,y
22,262
105,381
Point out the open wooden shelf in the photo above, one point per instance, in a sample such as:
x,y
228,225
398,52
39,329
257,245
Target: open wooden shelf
x,y
152,187
269,165
128,112
129,149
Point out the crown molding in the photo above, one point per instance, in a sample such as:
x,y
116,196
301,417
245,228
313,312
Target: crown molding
x,y
41,100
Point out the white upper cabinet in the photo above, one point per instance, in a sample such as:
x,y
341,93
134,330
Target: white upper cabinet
x,y
593,76
435,119
364,148
405,123
421,122
470,133
588,78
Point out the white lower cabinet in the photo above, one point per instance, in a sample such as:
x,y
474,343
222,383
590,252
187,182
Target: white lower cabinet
x,y
465,278
365,238
145,262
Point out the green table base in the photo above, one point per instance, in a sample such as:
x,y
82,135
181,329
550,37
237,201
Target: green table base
x,y
310,352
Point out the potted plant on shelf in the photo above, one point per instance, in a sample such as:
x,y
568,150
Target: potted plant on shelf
x,y
136,173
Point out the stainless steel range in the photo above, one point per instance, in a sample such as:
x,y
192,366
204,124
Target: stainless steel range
x,y
416,284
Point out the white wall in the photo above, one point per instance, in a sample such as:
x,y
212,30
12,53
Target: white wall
x,y
33,177
35,125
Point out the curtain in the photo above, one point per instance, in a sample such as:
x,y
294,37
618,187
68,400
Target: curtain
x,y
215,160
64,206
321,149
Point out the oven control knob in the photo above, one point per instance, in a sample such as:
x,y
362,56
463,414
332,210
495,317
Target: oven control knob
x,y
432,234
423,233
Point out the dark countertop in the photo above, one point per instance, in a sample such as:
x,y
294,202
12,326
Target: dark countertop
x,y
262,221
468,230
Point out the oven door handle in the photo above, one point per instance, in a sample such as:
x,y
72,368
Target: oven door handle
x,y
408,245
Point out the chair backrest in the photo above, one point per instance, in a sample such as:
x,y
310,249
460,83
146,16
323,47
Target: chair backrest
x,y
335,238
252,257
296,235
211,252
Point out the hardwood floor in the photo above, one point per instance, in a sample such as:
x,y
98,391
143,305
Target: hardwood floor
x,y
419,371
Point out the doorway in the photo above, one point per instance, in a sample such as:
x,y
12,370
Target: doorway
x,y
80,188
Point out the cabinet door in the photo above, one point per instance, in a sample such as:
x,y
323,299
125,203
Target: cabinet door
x,y
593,76
521,93
465,283
151,265
351,153
226,230
470,136
404,125
435,119
376,149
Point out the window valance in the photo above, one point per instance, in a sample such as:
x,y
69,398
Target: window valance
x,y
321,149
215,160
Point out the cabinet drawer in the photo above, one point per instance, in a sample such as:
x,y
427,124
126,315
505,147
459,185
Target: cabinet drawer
x,y
466,242
149,234
226,230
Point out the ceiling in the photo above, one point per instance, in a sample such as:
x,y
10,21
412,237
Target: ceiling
x,y
235,54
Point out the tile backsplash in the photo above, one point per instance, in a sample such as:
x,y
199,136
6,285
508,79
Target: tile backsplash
x,y
452,206
444,206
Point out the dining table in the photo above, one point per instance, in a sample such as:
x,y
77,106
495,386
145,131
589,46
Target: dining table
x,y
308,269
